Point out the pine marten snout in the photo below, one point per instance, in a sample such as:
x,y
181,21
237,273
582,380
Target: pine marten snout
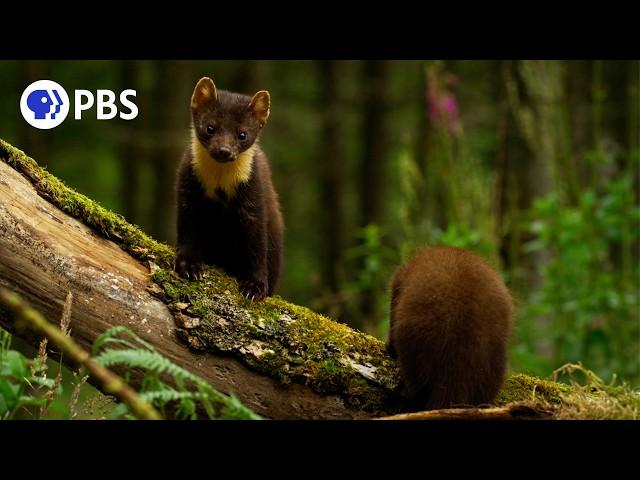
x,y
451,317
228,210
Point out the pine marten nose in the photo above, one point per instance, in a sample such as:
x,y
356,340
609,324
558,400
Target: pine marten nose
x,y
222,153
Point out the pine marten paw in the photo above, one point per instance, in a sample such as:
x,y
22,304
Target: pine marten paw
x,y
189,268
253,289
391,349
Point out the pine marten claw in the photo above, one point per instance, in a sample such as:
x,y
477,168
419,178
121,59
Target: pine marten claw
x,y
189,269
254,290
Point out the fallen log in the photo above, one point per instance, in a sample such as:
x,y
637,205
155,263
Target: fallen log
x,y
281,360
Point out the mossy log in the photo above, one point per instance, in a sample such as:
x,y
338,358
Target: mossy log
x,y
281,360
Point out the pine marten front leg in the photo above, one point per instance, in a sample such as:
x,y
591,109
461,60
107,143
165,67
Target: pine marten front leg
x,y
189,262
250,267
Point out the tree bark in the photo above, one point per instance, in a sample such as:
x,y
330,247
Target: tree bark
x,y
331,176
168,114
530,156
374,135
34,139
374,77
248,77
131,155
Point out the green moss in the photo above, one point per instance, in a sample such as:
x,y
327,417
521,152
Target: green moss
x,y
105,222
591,399
588,397
284,341
303,346
520,387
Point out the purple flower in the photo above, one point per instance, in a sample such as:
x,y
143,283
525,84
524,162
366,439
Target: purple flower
x,y
442,105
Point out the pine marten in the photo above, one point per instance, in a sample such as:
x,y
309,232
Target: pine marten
x,y
228,210
451,317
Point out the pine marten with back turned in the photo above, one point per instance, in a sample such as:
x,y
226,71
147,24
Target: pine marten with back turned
x,y
228,210
451,317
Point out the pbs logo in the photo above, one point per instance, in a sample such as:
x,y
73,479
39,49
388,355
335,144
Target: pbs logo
x,y
44,104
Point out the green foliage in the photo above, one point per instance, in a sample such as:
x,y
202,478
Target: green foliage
x,y
21,384
164,383
372,254
26,392
587,307
380,248
374,261
592,398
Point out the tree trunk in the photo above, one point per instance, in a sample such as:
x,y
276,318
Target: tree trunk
x,y
169,114
248,77
332,176
375,136
131,154
374,81
35,140
579,87
530,152
422,145
539,104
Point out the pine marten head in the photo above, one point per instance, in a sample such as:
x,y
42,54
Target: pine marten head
x,y
225,123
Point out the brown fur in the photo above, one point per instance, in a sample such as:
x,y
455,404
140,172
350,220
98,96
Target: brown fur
x,y
228,210
451,317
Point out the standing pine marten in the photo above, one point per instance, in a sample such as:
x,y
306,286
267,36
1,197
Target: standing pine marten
x,y
228,211
451,317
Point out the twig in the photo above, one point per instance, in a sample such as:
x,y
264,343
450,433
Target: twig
x,y
519,411
75,394
65,321
42,359
111,383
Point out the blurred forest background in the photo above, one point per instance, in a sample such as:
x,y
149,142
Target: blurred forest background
x,y
532,164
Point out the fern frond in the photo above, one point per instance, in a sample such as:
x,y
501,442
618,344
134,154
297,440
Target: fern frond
x,y
171,395
235,410
110,336
152,361
144,356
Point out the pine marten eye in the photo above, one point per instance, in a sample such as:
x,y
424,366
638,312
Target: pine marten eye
x,y
211,129
242,136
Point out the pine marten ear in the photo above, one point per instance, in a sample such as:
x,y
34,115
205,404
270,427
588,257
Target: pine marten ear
x,y
204,93
259,106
